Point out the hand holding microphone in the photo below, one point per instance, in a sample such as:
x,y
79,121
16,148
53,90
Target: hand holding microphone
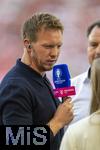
x,y
63,116
64,112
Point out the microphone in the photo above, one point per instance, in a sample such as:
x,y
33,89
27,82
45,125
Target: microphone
x,y
62,82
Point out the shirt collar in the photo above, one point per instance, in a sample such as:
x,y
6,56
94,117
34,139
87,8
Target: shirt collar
x,y
87,74
30,73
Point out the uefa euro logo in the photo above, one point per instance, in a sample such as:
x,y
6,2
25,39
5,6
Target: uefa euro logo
x,y
58,73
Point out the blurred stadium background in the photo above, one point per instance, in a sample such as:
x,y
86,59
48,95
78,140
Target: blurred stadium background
x,y
76,15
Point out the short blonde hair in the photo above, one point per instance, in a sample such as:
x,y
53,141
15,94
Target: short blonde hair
x,y
38,21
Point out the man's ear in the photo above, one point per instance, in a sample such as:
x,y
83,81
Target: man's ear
x,y
30,46
27,45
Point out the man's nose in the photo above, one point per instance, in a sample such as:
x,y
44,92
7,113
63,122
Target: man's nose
x,y
54,51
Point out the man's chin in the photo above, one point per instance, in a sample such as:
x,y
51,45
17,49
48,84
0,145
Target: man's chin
x,y
49,68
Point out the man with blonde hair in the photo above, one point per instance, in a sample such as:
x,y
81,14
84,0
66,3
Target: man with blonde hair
x,y
26,96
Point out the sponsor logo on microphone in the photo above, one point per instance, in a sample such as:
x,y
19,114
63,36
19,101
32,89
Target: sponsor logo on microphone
x,y
64,92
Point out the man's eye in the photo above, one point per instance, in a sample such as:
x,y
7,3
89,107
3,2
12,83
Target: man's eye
x,y
93,44
59,46
49,46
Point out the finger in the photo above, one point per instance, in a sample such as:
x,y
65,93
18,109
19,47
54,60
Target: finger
x,y
67,98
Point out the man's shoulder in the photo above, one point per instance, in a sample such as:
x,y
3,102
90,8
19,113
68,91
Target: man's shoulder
x,y
13,78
